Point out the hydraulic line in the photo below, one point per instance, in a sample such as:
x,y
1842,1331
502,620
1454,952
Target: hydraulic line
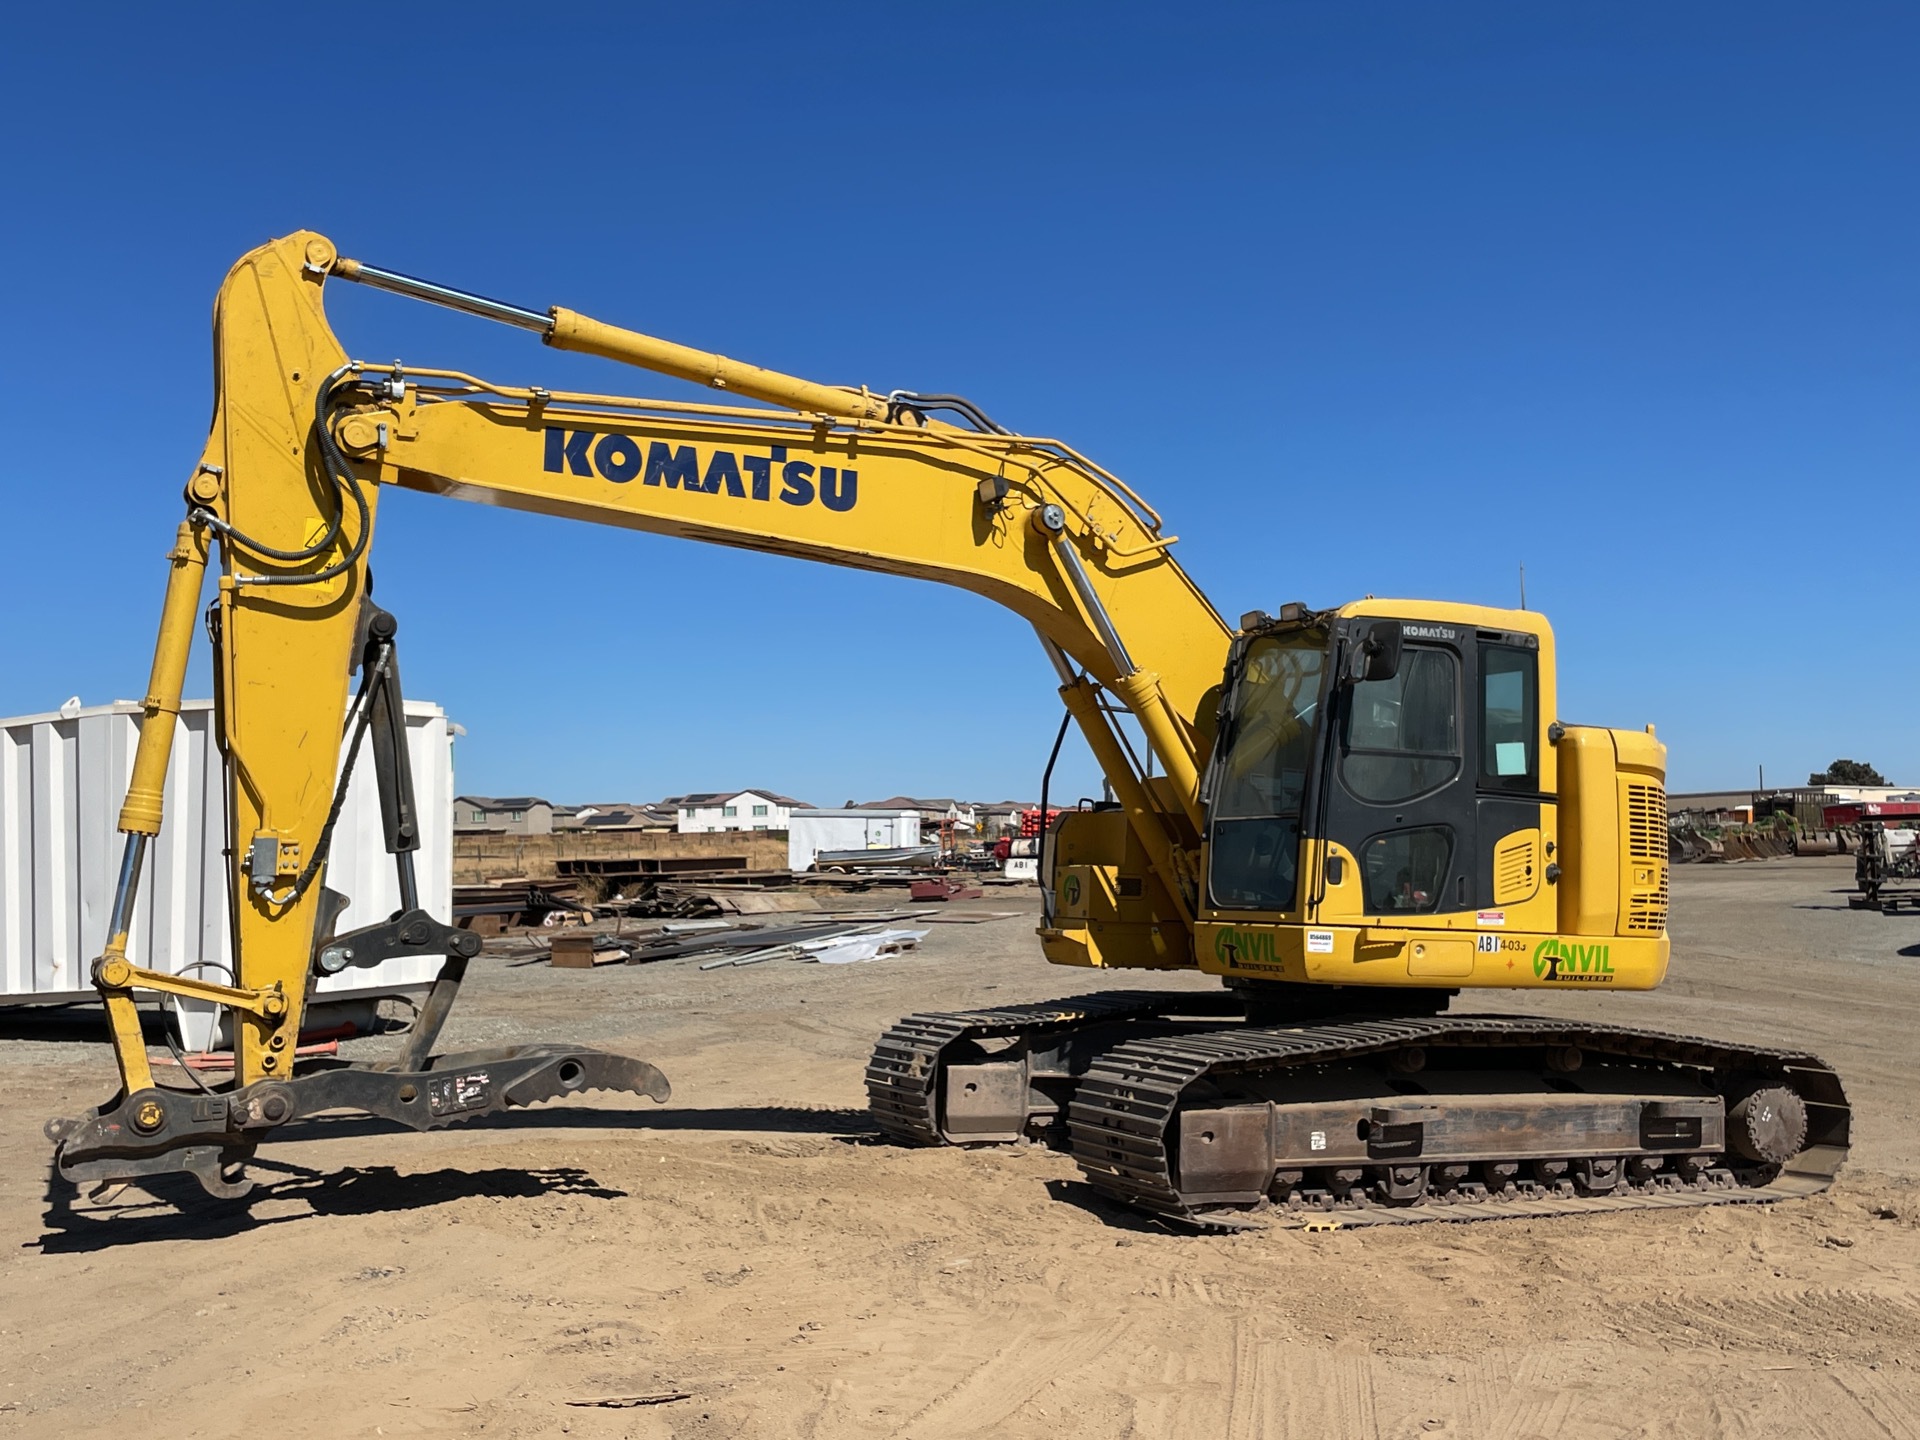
x,y
1046,783
363,703
335,464
953,404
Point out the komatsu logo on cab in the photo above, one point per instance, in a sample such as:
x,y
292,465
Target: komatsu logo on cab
x,y
623,458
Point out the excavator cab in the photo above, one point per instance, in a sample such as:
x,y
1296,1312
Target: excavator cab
x,y
1402,751
1390,808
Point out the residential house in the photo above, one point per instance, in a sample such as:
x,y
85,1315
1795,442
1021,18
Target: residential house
x,y
508,815
607,815
711,810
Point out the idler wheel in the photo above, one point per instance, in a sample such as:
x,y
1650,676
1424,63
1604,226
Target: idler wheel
x,y
1767,1125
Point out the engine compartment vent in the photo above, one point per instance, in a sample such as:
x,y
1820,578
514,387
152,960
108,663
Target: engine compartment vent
x,y
1647,822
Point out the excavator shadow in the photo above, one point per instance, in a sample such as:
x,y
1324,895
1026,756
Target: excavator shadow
x,y
1083,1196
174,1207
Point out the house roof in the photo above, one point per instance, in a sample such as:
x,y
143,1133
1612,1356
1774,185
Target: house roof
x,y
720,797
621,815
508,802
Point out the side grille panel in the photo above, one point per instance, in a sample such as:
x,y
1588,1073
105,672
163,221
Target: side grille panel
x,y
1645,910
1647,823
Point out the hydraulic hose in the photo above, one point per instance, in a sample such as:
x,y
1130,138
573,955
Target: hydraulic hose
x,y
335,465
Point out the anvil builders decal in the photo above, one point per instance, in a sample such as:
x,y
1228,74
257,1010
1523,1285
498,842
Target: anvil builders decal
x,y
1245,949
1561,963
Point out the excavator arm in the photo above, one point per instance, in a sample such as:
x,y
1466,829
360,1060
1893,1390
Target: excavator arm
x,y
283,506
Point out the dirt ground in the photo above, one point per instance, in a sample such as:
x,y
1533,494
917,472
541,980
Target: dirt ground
x,y
754,1245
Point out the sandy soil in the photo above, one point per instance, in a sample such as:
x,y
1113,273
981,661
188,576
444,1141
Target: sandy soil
x,y
755,1246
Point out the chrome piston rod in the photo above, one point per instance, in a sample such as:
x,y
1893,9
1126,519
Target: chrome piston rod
x,y
127,888
415,288
1096,612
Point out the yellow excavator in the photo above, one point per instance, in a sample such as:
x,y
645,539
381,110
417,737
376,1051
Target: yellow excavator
x,y
1350,816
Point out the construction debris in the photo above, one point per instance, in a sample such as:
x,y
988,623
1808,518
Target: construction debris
x,y
585,950
945,888
852,949
493,908
840,947
729,941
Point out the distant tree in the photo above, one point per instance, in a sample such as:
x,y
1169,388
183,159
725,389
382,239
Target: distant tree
x,y
1847,772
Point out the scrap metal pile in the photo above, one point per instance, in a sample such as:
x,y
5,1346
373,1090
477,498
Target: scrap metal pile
x,y
716,944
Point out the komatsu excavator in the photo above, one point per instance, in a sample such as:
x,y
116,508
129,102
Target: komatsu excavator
x,y
1350,816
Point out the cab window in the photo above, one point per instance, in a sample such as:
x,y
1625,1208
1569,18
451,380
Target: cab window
x,y
1260,775
1405,872
1509,718
1403,734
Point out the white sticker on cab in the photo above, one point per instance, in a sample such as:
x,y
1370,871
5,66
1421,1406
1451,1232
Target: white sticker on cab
x,y
1319,942
1492,917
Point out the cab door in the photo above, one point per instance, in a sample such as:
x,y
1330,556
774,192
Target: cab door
x,y
1399,794
1433,780
1514,842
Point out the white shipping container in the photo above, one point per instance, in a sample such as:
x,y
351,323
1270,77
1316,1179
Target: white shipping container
x,y
811,831
62,778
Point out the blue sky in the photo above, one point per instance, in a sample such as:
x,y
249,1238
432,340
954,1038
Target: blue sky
x,y
1364,298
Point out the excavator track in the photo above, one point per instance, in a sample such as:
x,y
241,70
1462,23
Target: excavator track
x,y
906,1078
1196,1127
1173,1104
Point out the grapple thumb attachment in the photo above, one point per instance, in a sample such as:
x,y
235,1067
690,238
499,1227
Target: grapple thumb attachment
x,y
211,1135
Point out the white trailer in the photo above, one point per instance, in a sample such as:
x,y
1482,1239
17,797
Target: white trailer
x,y
62,778
811,831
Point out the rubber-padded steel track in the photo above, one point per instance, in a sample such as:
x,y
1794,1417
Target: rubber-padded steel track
x,y
1121,1123
903,1077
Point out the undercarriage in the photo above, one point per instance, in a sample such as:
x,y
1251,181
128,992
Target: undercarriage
x,y
1177,1104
